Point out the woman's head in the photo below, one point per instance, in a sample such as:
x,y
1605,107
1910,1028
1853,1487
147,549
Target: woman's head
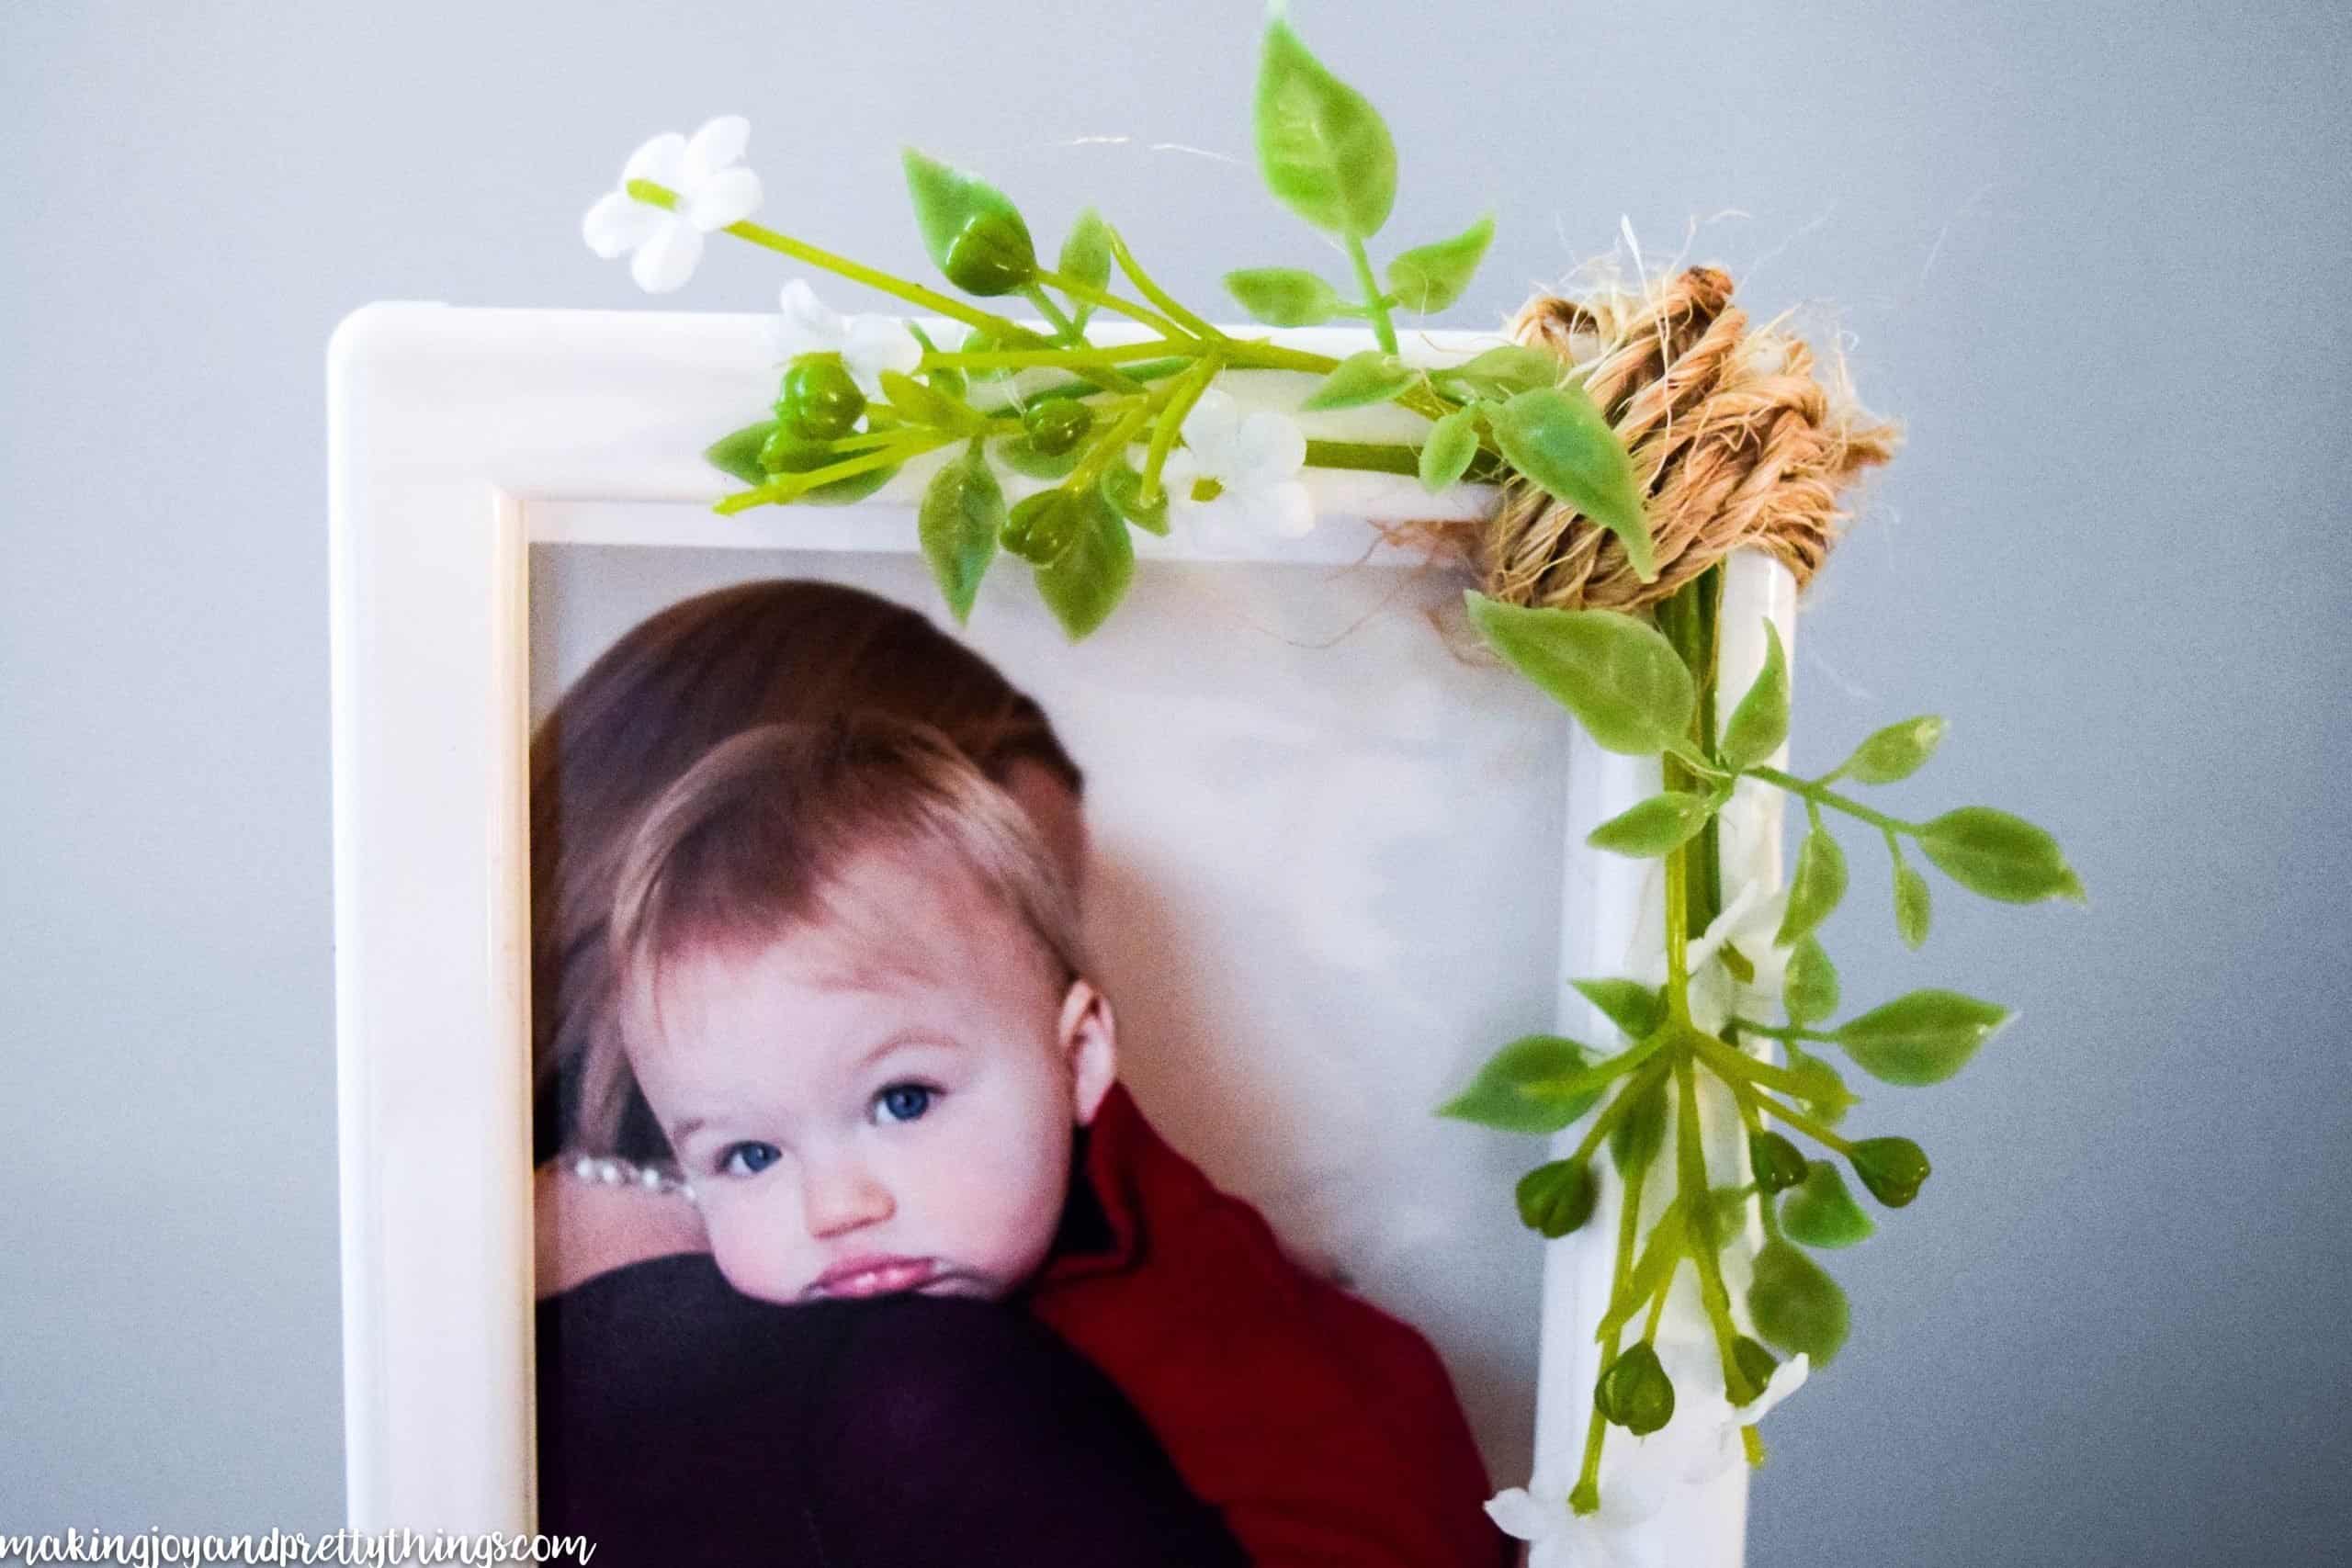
x,y
674,687
849,986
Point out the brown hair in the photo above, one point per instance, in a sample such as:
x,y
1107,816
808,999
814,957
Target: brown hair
x,y
673,687
759,837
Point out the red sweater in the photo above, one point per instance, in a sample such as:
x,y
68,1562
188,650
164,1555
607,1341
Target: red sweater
x,y
1325,1431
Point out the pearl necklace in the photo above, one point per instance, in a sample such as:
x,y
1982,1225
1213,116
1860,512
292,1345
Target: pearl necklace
x,y
610,1171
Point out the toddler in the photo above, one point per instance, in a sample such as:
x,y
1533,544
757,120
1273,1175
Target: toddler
x,y
852,992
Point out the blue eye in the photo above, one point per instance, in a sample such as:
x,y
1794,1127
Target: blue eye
x,y
904,1102
747,1159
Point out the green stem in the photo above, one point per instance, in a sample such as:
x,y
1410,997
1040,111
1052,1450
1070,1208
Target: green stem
x,y
1153,292
1585,1497
1111,445
1181,398
1375,301
857,272
1052,312
1047,359
1794,1118
1691,1159
1729,1064
1103,300
782,491
1635,1087
1821,796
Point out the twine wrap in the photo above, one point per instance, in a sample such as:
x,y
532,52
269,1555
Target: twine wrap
x,y
1739,445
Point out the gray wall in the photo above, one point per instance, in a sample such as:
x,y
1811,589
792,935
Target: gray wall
x,y
2090,252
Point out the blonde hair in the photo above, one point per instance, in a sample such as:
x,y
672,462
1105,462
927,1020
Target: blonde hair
x,y
757,839
676,684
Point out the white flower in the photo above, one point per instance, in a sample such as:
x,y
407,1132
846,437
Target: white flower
x,y
1748,923
867,345
1704,1433
1612,1536
1642,1479
712,193
1254,460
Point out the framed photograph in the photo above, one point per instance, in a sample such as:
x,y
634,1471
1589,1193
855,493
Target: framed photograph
x,y
1333,855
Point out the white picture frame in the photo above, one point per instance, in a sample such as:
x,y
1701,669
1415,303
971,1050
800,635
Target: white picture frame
x,y
449,430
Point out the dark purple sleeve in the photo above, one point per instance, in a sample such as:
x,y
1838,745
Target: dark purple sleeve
x,y
681,1424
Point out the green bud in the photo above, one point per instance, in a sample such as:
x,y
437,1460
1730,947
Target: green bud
x,y
1634,1391
975,237
1056,425
1891,1168
1557,1198
1756,1366
1041,528
818,400
1778,1163
1796,1305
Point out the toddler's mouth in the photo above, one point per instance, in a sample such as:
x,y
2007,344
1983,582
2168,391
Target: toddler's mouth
x,y
873,1276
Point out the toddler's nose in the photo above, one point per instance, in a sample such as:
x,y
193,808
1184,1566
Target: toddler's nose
x,y
841,1194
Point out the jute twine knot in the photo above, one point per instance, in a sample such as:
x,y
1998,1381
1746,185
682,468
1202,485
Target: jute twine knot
x,y
1735,441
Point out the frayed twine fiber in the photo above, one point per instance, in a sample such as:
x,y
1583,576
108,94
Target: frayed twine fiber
x,y
1741,446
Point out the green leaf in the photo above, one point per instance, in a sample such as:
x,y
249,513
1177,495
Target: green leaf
x,y
1086,583
1756,1366
1500,372
1821,1212
1823,1091
1797,1306
1809,990
1818,883
2000,856
1122,488
918,404
1446,451
1556,437
1636,1140
962,511
1761,721
1921,1038
975,235
1662,822
1529,1086
1661,1254
1910,904
1632,1007
1620,676
784,453
1086,258
1283,296
1323,149
1557,1198
1896,752
738,455
1430,277
1370,377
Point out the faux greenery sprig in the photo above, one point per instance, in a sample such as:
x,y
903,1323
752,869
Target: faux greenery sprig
x,y
1111,427
1645,690
1140,435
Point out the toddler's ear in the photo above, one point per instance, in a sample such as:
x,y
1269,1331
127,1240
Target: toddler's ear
x,y
1088,1039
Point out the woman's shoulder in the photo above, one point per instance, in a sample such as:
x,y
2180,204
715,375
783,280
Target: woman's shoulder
x,y
583,1229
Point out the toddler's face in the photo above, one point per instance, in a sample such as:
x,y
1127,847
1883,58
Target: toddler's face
x,y
859,1122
